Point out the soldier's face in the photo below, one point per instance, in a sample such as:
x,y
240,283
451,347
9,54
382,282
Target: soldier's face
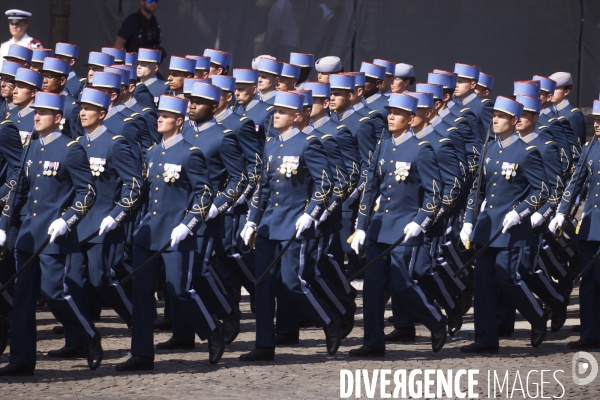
x,y
285,118
22,94
46,121
319,106
169,122
19,29
323,77
215,69
421,117
7,86
91,70
244,93
481,91
90,115
201,74
149,7
176,79
372,86
53,82
546,98
267,82
597,126
146,70
503,123
399,120
284,83
201,109
340,99
36,66
386,84
464,86
527,122
560,94
399,84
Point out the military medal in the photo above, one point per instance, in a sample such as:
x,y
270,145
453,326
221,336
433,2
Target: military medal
x,y
289,166
401,172
509,169
50,168
97,165
171,173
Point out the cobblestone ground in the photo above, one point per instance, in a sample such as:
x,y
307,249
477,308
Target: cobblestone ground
x,y
303,371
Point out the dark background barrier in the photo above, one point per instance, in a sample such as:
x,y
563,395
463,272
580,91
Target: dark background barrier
x,y
510,39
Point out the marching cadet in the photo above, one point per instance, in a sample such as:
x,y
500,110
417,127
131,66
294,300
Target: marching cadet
x,y
179,69
365,138
7,86
564,86
27,83
359,105
290,199
118,54
119,183
386,84
220,61
374,77
306,62
180,197
20,55
57,178
37,58
55,73
403,77
404,175
138,99
465,96
485,83
268,79
288,77
588,236
255,60
147,68
131,59
96,63
326,66
514,187
70,53
202,66
261,113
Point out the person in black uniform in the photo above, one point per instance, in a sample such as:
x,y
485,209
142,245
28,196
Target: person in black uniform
x,y
140,29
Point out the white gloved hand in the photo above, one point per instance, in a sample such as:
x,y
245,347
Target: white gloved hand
x,y
354,194
2,237
247,232
213,212
511,219
377,201
411,230
179,233
465,233
107,225
556,223
303,223
323,218
57,228
241,200
483,205
537,219
358,240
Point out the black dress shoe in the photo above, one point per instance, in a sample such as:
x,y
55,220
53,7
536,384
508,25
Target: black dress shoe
x,y
59,330
68,352
438,336
559,317
539,330
333,335
3,334
216,344
94,352
259,354
162,324
176,344
478,348
364,351
455,320
231,326
584,344
348,321
136,363
401,335
16,370
286,340
576,328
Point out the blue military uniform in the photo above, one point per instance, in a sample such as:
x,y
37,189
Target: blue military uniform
x,y
156,86
377,101
23,118
482,108
9,70
258,111
74,81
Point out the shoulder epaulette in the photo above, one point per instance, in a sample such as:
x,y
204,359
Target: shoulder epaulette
x,y
78,138
484,100
82,79
586,143
74,103
575,109
151,147
451,128
372,112
311,137
166,83
423,142
71,143
243,118
340,127
561,117
194,148
363,118
464,109
147,108
135,114
444,139
218,123
548,142
269,138
326,136
458,119
4,122
543,127
139,83
117,137
530,147
551,119
128,119
269,108
227,131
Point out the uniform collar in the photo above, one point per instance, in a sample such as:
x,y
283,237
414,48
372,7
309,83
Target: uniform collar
x,y
205,125
25,111
546,110
468,99
346,114
308,130
321,121
171,142
358,106
96,134
51,137
150,81
131,102
72,75
403,138
112,111
428,129
529,137
512,139
435,121
251,104
65,92
288,135
387,94
445,111
268,95
374,97
562,105
224,114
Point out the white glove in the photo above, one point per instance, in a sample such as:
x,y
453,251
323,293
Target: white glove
x,y
411,230
213,212
354,194
57,228
465,233
2,237
248,231
556,223
483,205
107,225
537,219
241,200
179,233
323,218
358,241
303,223
511,219
377,201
